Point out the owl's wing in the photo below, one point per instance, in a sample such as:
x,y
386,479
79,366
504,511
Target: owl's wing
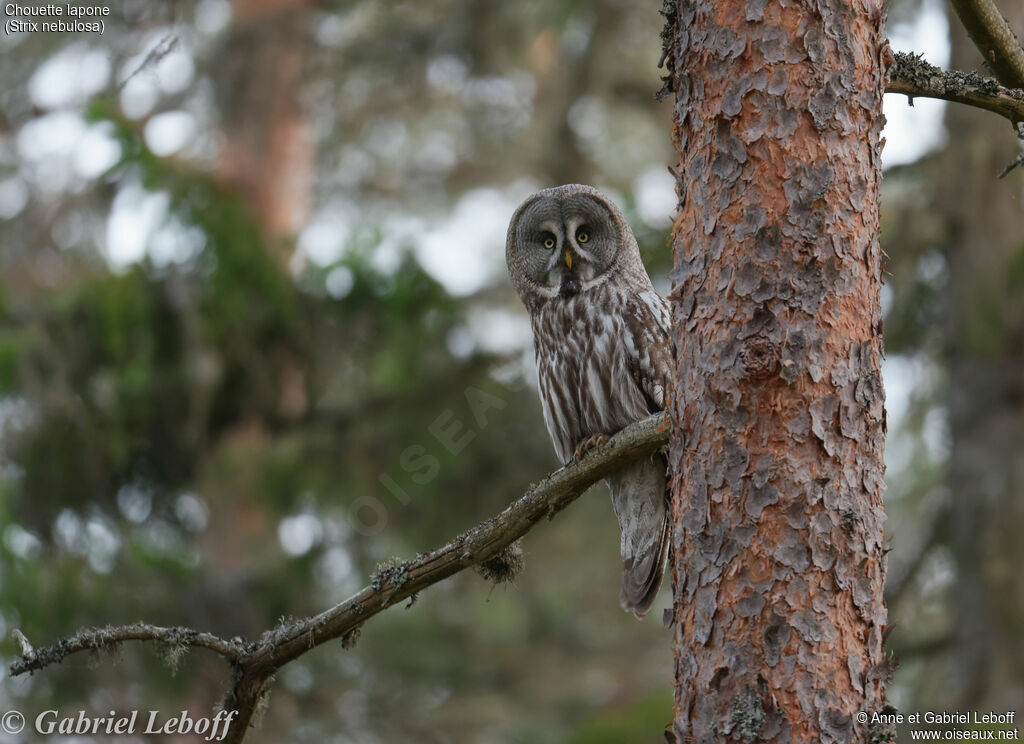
x,y
648,321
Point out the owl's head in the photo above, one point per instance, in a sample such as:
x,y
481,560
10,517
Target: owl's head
x,y
565,240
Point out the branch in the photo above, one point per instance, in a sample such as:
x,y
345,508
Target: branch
x,y
1017,162
913,77
165,46
96,639
399,582
487,545
995,40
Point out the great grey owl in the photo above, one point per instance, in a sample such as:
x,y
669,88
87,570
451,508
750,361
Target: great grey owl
x,y
601,335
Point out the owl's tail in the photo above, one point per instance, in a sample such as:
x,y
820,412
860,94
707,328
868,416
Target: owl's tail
x,y
639,499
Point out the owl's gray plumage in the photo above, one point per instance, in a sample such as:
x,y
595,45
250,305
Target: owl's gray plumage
x,y
601,336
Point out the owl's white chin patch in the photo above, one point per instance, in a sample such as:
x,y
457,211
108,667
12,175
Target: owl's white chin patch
x,y
558,287
596,281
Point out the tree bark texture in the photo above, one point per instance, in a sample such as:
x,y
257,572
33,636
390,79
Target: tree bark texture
x,y
779,414
985,348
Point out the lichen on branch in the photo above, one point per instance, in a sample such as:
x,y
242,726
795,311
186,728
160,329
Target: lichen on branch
x,y
913,77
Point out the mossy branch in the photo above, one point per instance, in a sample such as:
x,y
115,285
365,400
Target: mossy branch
x,y
911,76
100,639
487,545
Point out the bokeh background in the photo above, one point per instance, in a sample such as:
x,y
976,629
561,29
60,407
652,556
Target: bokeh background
x,y
251,254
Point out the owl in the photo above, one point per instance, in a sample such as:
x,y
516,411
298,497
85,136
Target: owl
x,y
603,349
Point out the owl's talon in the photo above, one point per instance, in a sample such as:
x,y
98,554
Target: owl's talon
x,y
588,444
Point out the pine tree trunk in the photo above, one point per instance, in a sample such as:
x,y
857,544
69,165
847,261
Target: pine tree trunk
x,y
779,563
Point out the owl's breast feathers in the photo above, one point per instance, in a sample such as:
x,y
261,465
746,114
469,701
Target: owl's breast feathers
x,y
603,361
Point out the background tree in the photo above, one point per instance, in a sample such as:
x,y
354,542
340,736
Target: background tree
x,y
956,311
985,356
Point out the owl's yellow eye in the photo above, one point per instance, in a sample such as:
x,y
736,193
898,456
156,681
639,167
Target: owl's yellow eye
x,y
582,236
549,242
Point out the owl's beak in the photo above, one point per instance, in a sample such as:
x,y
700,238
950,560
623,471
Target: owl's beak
x,y
568,260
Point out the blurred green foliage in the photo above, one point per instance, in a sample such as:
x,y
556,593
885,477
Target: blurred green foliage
x,y
618,725
222,441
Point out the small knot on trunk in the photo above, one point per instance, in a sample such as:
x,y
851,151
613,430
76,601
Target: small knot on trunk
x,y
760,359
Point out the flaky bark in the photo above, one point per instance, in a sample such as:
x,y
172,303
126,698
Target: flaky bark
x,y
779,411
